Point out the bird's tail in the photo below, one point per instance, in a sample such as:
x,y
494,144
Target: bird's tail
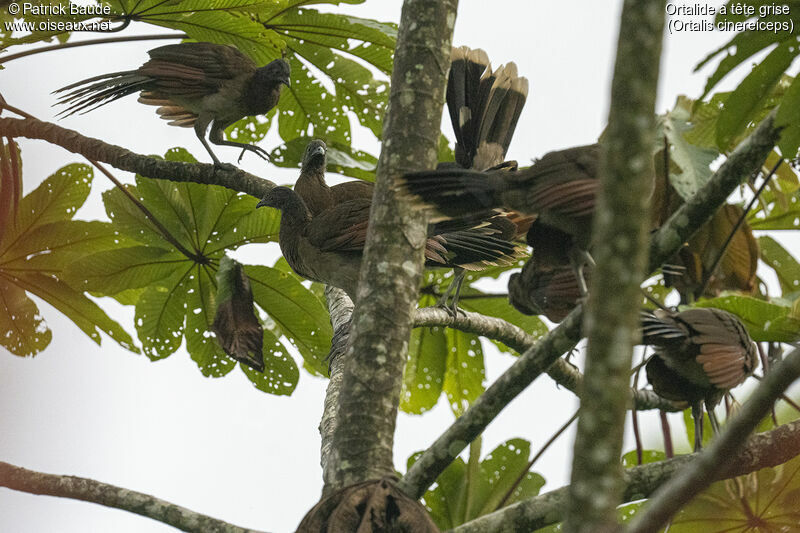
x,y
473,249
85,95
484,107
452,193
659,330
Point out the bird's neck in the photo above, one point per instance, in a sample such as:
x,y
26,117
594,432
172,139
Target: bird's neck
x,y
260,94
313,190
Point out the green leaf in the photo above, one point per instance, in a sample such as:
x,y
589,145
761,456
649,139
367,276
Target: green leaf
x,y
779,216
423,376
53,247
694,161
10,182
463,380
86,314
788,117
25,332
785,265
280,374
56,199
746,100
293,311
765,321
201,343
463,492
648,456
767,498
341,158
114,271
160,313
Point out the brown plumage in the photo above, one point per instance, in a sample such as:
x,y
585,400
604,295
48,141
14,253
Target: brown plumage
x,y
560,189
700,354
472,243
552,291
327,247
194,85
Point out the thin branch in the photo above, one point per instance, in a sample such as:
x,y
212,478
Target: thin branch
x,y
517,339
763,450
89,490
736,227
123,159
511,383
713,462
89,42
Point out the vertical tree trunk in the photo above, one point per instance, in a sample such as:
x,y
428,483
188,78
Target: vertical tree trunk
x,y
390,273
620,237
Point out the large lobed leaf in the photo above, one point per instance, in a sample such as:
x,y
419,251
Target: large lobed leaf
x,y
35,247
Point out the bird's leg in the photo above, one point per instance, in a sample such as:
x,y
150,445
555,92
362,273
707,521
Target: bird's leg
x,y
712,417
200,127
455,289
216,137
697,415
579,259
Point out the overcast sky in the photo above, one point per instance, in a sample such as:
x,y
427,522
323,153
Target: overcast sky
x,y
219,446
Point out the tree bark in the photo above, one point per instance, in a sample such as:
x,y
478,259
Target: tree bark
x,y
392,266
620,238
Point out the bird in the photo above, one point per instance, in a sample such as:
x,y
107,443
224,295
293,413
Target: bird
x,y
195,85
328,247
560,189
552,291
700,354
472,242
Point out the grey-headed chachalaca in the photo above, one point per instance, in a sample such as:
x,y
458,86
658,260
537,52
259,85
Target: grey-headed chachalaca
x,y
327,247
194,85
560,189
472,242
700,354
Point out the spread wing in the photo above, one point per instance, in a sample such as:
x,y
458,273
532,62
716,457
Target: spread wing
x,y
189,71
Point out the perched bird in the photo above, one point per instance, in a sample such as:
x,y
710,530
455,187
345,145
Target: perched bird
x,y
700,354
552,291
560,189
328,247
195,85
472,242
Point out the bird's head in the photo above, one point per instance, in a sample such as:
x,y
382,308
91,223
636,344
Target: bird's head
x,y
286,200
315,157
277,70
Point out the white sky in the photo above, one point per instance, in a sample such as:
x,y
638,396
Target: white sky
x,y
219,446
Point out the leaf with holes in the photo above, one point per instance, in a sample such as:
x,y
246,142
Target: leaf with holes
x,y
38,243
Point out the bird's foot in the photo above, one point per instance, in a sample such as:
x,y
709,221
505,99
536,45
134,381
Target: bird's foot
x,y
260,152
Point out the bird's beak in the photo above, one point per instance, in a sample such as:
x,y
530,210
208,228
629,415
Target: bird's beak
x,y
262,203
287,82
319,150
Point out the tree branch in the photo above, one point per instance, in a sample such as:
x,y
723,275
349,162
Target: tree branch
x,y
341,310
124,159
392,265
713,462
89,490
619,238
517,339
468,426
763,450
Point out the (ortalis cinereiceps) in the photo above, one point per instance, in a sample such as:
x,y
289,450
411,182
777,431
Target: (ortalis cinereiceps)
x,y
195,85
